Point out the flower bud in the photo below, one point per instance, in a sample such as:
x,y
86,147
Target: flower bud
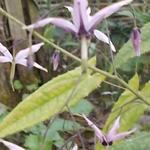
x,y
55,60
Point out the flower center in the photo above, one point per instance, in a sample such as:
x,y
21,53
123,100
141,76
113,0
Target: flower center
x,y
107,143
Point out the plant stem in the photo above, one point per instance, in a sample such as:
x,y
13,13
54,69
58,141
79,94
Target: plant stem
x,y
84,53
12,74
114,77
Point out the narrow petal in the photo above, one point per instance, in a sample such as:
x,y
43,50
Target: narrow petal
x,y
25,52
120,136
136,41
113,130
5,51
98,132
84,13
102,37
11,146
76,15
39,67
80,16
4,59
24,63
106,12
62,23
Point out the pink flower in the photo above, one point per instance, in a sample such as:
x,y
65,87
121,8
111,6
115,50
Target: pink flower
x,y
136,40
21,57
108,139
83,24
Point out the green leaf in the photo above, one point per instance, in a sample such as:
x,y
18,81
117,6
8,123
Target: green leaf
x,y
33,142
137,142
129,111
127,51
64,125
18,85
50,99
83,107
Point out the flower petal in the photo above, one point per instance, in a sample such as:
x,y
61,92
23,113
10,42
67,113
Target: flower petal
x,y
5,51
62,23
24,63
101,36
113,130
11,146
80,15
39,67
122,135
106,12
4,59
25,52
98,132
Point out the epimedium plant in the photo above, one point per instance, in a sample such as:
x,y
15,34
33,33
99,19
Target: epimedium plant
x,y
73,85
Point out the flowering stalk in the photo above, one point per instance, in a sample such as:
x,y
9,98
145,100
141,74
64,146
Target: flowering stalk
x,y
84,53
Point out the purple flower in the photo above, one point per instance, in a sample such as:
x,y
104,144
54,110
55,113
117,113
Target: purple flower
x,y
108,139
136,40
21,57
55,60
83,24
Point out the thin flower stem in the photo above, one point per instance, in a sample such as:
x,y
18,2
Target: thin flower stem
x,y
12,74
114,77
84,53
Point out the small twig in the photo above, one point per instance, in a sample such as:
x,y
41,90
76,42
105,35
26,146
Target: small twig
x,y
112,84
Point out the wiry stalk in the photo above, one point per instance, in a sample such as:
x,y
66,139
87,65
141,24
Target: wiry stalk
x,y
114,77
12,74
